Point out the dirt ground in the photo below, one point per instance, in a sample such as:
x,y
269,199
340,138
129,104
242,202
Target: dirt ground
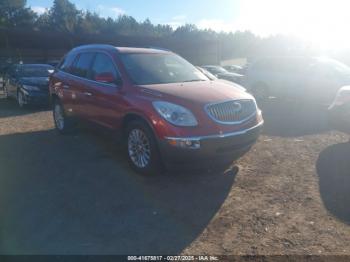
x,y
292,193
76,194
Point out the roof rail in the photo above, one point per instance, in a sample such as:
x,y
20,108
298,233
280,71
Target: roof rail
x,y
158,48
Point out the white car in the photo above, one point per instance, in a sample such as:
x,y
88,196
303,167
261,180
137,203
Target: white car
x,y
339,111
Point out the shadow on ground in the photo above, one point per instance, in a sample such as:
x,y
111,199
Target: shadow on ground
x,y
333,168
291,119
9,108
77,195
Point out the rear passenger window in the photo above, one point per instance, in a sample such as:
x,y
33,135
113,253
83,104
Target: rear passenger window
x,y
103,64
82,65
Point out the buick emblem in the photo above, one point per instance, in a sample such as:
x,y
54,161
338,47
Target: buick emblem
x,y
237,107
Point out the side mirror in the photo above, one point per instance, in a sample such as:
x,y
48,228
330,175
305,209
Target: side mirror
x,y
106,77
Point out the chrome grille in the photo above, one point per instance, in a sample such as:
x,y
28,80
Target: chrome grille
x,y
232,111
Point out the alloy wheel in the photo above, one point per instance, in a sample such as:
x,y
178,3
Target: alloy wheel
x,y
139,148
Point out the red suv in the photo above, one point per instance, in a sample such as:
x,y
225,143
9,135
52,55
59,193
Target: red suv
x,y
166,109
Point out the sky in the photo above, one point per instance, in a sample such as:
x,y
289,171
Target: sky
x,y
174,13
322,22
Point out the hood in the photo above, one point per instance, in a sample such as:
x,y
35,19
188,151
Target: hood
x,y
202,92
236,85
35,81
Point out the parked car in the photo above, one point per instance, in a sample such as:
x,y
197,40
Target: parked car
x,y
28,84
301,78
222,73
53,63
3,71
234,69
339,111
166,110
214,78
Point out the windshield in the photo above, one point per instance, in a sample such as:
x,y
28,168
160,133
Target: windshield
x,y
35,71
216,70
147,69
334,65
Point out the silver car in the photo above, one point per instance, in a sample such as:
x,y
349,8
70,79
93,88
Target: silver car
x,y
302,78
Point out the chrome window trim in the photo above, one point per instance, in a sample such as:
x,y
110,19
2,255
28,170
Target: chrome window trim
x,y
236,133
231,122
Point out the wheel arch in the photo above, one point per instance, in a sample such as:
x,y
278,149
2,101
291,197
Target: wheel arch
x,y
134,116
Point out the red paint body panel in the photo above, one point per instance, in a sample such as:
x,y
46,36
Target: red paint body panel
x,y
108,104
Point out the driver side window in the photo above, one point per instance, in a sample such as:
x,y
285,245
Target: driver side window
x,y
103,64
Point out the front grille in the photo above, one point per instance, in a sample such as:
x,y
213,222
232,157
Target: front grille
x,y
232,111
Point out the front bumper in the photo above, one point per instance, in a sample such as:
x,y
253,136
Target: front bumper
x,y
36,97
212,149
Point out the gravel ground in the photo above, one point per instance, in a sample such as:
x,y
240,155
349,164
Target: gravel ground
x,y
291,195
76,194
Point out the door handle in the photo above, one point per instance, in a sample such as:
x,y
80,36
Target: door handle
x,y
87,94
66,86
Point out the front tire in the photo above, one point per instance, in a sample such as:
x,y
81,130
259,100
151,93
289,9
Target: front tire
x,y
141,149
63,124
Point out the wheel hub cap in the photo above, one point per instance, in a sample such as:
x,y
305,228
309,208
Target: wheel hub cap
x,y
139,148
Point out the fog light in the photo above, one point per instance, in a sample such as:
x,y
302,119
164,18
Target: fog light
x,y
184,143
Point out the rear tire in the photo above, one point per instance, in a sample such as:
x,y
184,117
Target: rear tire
x,y
141,149
63,124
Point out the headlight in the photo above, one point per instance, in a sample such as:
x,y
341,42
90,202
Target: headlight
x,y
31,88
175,114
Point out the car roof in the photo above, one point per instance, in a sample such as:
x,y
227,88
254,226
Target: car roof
x,y
122,50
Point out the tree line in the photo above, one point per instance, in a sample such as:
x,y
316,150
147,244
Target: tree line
x,y
81,27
